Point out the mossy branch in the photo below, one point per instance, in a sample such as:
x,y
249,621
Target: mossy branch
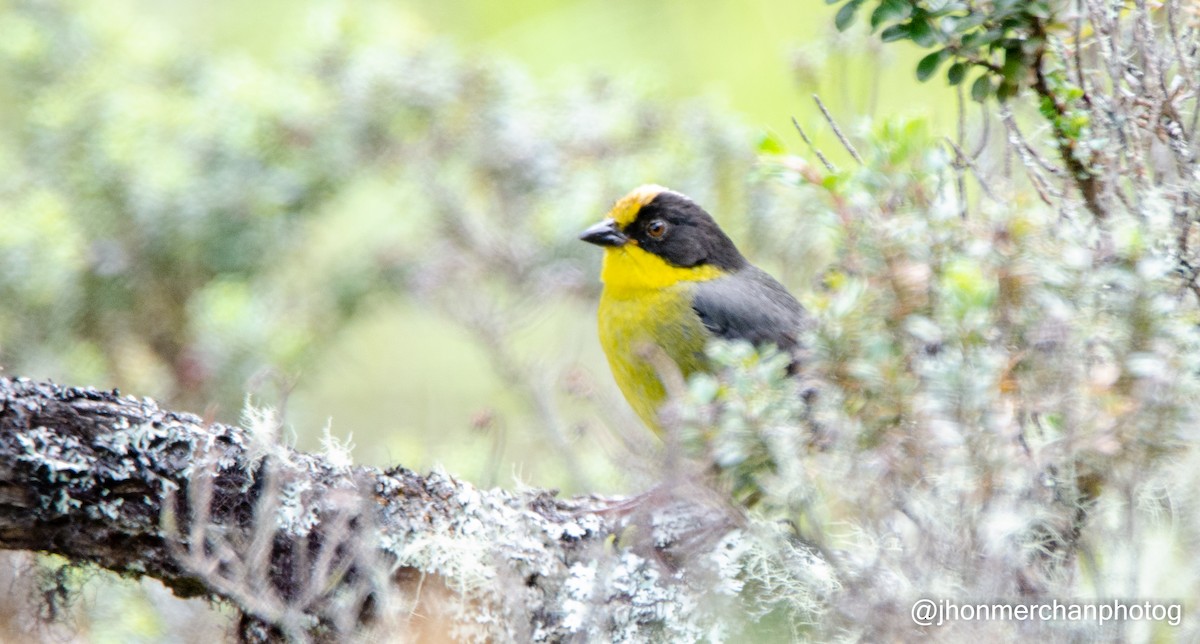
x,y
309,546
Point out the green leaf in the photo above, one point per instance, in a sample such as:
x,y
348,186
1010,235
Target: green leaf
x,y
845,15
895,32
890,11
1006,90
977,39
1076,124
970,20
771,144
1032,45
981,88
1047,109
1014,66
1038,9
922,33
956,73
929,64
967,285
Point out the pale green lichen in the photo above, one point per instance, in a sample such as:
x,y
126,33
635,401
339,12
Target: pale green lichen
x,y
295,515
338,452
522,566
598,592
579,590
60,455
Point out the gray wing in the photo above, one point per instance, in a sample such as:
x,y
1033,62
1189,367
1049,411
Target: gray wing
x,y
750,305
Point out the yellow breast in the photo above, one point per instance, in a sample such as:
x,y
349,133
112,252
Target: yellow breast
x,y
647,303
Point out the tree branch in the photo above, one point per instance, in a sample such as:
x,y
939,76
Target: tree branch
x,y
309,546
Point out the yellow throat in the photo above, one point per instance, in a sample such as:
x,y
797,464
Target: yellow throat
x,y
646,305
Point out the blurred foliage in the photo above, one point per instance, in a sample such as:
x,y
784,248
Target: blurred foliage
x,y
1017,45
185,223
1005,40
1000,395
994,406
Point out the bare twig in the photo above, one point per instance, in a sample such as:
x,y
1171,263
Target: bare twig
x,y
1144,40
1186,69
669,417
1026,150
1034,166
984,134
960,178
828,166
967,163
1077,24
837,130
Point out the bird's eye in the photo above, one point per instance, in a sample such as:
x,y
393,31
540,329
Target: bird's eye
x,y
656,229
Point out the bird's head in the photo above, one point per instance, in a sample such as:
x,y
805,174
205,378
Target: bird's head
x,y
655,237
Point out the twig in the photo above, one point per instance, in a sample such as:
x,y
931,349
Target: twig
x,y
1195,116
838,131
960,178
1078,53
676,388
828,166
969,163
1029,159
1024,147
984,135
1185,68
1143,33
1008,162
1102,30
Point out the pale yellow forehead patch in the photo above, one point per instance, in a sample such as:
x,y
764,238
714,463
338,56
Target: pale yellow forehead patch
x,y
626,210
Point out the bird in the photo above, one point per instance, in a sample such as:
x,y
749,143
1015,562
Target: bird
x,y
672,281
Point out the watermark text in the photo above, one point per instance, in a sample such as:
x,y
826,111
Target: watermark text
x,y
935,612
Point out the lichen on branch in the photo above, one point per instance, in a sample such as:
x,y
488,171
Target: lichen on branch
x,y
307,547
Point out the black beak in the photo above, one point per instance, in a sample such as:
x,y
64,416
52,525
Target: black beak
x,y
604,233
